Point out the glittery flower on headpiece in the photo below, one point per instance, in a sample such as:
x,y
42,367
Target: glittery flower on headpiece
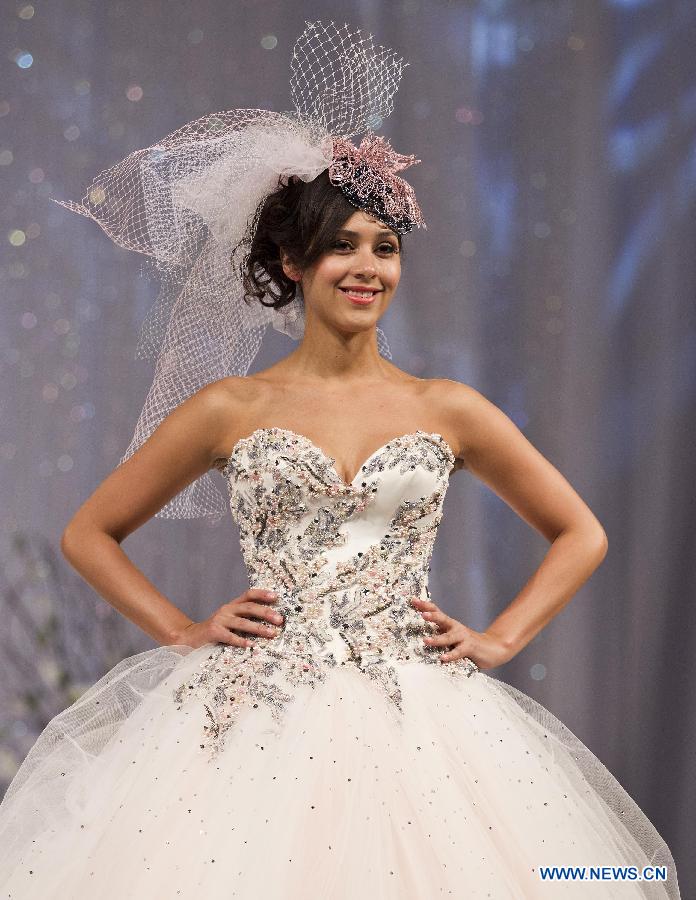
x,y
367,176
191,197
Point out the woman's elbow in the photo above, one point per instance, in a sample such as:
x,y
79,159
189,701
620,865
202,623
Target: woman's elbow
x,y
593,537
601,541
69,541
75,537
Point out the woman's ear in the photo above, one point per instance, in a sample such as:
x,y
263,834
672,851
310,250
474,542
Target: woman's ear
x,y
291,271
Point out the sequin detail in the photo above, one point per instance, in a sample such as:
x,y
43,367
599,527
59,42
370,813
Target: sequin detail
x,y
345,560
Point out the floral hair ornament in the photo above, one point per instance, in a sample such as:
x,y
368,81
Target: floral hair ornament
x,y
367,176
191,201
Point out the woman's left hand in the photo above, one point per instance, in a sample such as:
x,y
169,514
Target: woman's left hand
x,y
484,649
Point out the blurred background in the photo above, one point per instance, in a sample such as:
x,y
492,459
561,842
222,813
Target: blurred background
x,y
556,276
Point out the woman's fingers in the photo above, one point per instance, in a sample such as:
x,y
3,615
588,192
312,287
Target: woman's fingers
x,y
252,608
443,639
454,653
223,635
257,594
256,602
241,623
250,613
442,620
424,605
431,612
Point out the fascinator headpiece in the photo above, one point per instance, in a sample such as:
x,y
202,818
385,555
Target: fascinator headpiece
x,y
187,200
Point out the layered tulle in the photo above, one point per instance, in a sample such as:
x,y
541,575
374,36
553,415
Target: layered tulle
x,y
466,793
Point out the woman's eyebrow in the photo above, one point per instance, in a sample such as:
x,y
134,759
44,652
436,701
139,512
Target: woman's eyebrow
x,y
355,234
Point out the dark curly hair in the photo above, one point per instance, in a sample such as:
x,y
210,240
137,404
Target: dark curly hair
x,y
302,218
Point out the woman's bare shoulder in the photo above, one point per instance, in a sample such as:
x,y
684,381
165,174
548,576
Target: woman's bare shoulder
x,y
449,395
462,409
231,395
226,404
457,393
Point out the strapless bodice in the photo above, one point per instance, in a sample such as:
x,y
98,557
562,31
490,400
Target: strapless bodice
x,y
351,555
345,560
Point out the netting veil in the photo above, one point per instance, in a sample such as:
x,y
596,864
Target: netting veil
x,y
190,199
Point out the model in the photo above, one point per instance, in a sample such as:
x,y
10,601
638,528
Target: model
x,y
330,733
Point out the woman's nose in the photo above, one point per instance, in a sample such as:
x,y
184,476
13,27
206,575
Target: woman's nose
x,y
365,267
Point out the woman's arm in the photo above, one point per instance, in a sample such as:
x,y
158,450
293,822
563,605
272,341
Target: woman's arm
x,y
496,452
182,448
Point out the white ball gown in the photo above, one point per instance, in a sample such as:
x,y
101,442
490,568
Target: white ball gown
x,y
340,759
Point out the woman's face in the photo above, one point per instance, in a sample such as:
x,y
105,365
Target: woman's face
x,y
364,256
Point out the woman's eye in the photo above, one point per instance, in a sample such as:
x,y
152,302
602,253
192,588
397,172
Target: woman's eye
x,y
340,245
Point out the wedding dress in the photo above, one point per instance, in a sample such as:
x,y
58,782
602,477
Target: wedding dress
x,y
338,760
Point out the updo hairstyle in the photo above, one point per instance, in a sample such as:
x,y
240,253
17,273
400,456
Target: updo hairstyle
x,y
302,218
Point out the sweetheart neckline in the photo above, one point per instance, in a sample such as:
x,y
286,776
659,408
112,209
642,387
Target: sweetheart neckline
x,y
331,460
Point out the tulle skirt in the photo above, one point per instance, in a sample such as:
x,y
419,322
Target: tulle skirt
x,y
470,790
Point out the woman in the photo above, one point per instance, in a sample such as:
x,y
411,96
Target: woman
x,y
330,732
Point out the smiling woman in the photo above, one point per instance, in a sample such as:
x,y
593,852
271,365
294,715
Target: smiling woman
x,y
366,269
307,220
356,747
364,294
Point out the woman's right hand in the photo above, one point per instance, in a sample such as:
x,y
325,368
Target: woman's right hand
x,y
240,614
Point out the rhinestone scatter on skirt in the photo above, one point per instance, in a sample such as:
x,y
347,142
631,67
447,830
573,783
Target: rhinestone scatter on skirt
x,y
344,600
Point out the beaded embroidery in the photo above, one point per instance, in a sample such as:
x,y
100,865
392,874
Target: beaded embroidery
x,y
344,559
